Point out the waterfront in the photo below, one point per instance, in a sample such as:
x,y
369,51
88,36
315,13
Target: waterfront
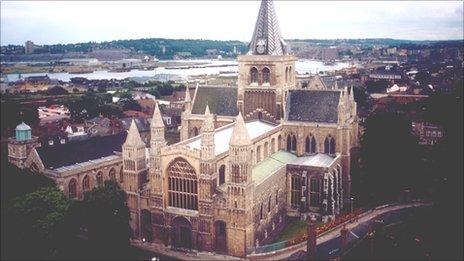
x,y
210,67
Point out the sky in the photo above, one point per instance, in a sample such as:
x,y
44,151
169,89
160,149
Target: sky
x,y
50,22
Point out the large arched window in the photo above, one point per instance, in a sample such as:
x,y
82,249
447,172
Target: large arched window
x,y
315,192
86,183
112,174
100,178
266,150
182,185
222,174
279,142
253,75
310,144
329,145
258,154
72,189
195,131
266,75
296,191
272,149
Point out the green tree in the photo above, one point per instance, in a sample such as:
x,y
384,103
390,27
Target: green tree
x,y
109,110
35,224
13,113
57,90
105,215
128,103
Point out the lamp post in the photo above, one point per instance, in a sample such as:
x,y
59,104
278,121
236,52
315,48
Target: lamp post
x,y
351,203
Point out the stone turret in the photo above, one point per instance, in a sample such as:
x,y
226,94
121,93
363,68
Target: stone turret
x,y
240,188
134,159
207,136
187,100
20,146
157,141
184,133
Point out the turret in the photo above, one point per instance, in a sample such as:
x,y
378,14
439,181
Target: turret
x,y
207,136
134,160
157,141
187,101
21,145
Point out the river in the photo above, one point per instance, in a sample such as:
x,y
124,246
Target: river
x,y
213,67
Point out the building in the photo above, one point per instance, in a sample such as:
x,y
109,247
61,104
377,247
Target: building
x,y
249,157
427,133
29,47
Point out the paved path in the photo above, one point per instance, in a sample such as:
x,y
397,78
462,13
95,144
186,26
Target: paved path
x,y
327,244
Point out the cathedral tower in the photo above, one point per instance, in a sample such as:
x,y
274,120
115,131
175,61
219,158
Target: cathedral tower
x,y
267,71
157,141
134,160
240,189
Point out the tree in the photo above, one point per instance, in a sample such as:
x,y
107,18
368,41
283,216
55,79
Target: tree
x,y
109,110
379,86
75,90
128,103
57,90
35,224
101,89
13,113
105,214
389,158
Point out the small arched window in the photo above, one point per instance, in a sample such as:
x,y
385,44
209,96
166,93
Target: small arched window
x,y
112,174
294,143
310,144
121,175
266,75
313,145
332,146
86,183
72,189
261,212
269,204
222,175
286,74
253,75
329,145
258,154
100,178
289,142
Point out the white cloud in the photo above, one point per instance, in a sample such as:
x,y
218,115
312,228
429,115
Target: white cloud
x,y
64,22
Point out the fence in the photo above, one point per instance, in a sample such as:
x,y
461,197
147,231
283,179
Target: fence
x,y
319,230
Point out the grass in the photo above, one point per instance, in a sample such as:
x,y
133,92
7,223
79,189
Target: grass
x,y
293,229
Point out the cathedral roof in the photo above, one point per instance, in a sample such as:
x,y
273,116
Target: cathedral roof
x,y
267,32
221,100
72,152
313,106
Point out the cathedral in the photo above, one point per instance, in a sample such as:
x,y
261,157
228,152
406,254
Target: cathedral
x,y
250,156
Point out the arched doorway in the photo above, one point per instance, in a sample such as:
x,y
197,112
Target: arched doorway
x,y
221,236
181,233
145,226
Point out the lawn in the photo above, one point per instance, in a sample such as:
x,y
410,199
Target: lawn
x,y
293,229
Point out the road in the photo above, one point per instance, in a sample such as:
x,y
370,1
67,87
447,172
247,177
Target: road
x,y
330,248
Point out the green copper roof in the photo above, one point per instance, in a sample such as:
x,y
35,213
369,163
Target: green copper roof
x,y
271,165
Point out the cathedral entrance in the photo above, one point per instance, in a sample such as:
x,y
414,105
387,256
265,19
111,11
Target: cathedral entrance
x,y
182,233
221,236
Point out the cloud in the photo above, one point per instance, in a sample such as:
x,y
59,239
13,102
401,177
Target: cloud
x,y
47,22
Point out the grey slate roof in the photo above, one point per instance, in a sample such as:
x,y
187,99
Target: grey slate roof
x,y
312,106
267,31
143,125
73,152
221,100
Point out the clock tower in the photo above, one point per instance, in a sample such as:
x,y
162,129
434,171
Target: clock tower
x,y
267,71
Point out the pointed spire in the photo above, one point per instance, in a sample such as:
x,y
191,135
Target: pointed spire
x,y
208,123
133,136
157,120
187,94
267,39
240,133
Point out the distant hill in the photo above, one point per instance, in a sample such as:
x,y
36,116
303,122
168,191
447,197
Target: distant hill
x,y
167,48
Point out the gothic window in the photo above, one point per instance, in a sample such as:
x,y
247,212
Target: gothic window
x,y
266,150
235,174
112,174
72,189
315,193
310,144
272,148
279,142
260,115
296,191
86,183
277,197
329,145
266,75
182,185
121,175
269,204
195,131
258,154
100,178
222,175
254,75
294,143
289,142
286,74
261,212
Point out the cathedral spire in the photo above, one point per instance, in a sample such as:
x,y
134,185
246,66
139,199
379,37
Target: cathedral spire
x,y
267,39
157,120
208,123
133,136
187,94
240,133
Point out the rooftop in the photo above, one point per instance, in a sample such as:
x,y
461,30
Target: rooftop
x,y
270,165
222,135
221,100
313,106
